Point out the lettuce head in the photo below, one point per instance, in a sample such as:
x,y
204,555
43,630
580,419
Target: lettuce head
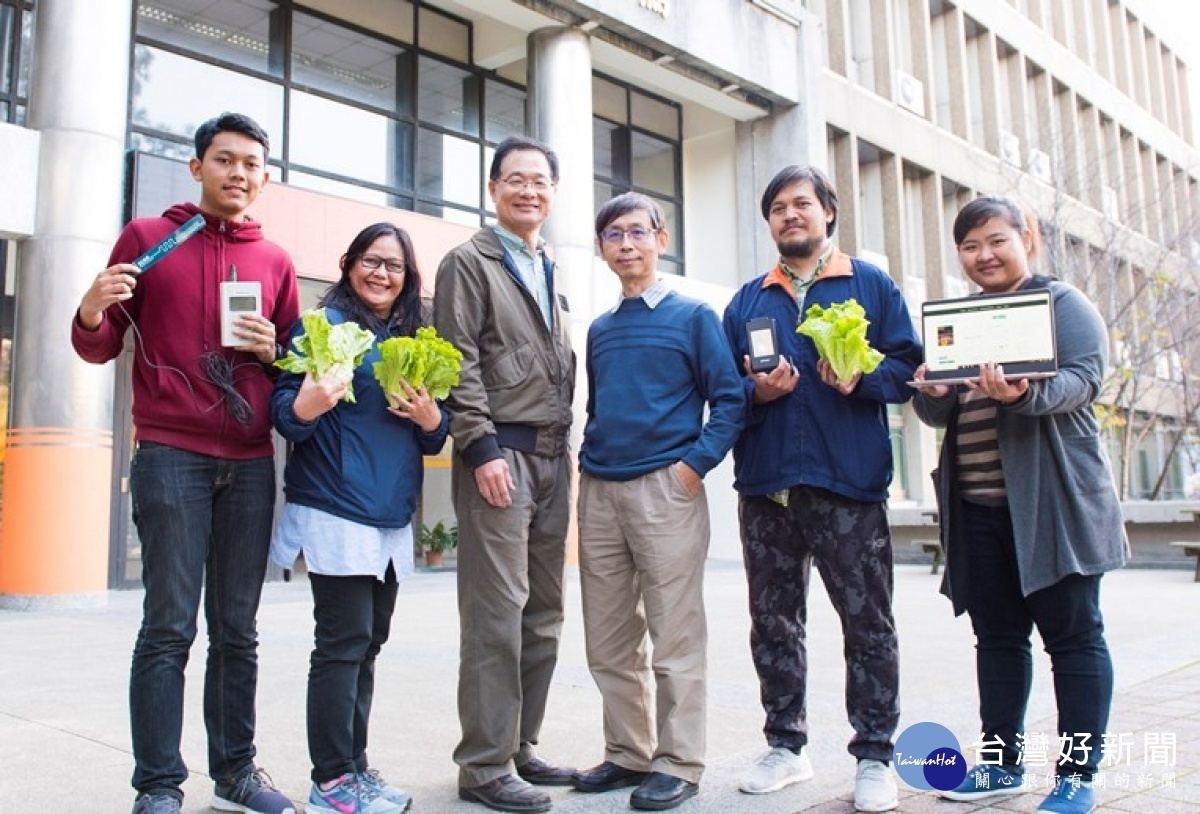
x,y
840,334
325,348
422,360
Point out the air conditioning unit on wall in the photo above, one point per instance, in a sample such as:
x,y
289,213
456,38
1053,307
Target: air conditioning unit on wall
x,y
1010,148
910,93
1039,166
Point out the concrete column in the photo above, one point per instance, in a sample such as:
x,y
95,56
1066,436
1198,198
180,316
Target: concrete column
x,y
790,135
559,79
54,535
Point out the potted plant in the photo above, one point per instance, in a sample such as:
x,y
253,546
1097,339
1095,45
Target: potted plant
x,y
436,541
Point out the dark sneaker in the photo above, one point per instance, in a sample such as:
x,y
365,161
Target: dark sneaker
x,y
251,793
156,804
1071,795
984,782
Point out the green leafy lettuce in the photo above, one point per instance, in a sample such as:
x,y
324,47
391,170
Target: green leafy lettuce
x,y
325,348
425,359
840,334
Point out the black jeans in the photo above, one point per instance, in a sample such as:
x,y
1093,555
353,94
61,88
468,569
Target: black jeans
x,y
204,523
851,545
1067,616
353,618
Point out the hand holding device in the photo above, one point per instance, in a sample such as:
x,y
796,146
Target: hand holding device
x,y
764,349
238,298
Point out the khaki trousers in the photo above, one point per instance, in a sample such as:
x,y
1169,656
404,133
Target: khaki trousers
x,y
642,546
510,606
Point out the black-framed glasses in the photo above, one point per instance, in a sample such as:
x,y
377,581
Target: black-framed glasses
x,y
371,262
518,183
638,235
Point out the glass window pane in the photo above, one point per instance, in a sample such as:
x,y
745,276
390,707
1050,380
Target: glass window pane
x,y
393,18
8,44
669,267
159,146
449,213
447,96
348,64
505,106
671,210
26,56
608,148
448,169
655,116
653,164
354,192
443,35
609,100
5,111
379,152
176,94
232,32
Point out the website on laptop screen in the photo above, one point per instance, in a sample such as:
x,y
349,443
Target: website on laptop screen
x,y
1014,330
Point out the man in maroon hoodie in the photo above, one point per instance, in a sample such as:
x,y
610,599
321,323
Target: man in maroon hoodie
x,y
203,477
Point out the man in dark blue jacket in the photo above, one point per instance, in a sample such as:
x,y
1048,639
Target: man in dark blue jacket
x,y
812,469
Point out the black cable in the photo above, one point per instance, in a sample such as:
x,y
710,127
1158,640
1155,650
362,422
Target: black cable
x,y
220,372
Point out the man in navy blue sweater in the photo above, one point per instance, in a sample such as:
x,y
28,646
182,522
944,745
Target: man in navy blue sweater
x,y
653,363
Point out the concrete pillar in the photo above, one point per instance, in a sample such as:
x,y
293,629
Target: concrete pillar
x,y
54,534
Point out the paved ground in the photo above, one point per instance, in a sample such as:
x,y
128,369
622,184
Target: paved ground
x,y
64,741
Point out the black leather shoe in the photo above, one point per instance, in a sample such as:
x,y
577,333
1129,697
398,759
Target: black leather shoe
x,y
507,793
606,777
660,791
540,773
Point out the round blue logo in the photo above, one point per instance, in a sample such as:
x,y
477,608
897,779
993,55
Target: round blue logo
x,y
928,757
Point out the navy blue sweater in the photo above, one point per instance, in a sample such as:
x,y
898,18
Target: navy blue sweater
x,y
357,461
650,374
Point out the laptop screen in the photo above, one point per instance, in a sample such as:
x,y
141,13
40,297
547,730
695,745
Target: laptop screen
x,y
1015,330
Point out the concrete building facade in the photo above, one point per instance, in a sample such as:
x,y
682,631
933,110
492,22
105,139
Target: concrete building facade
x,y
390,108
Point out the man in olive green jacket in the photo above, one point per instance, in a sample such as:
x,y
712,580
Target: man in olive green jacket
x,y
497,301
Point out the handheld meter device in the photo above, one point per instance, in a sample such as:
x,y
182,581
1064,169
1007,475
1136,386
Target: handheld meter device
x,y
238,298
764,350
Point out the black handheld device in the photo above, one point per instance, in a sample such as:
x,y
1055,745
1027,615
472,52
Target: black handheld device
x,y
764,350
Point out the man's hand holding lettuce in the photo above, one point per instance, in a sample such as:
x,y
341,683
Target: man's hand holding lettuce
x,y
840,334
325,348
425,360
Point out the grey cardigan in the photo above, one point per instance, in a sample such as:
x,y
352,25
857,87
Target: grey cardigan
x,y
1065,512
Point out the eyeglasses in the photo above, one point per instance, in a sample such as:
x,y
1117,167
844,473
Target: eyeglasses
x,y
372,262
637,234
518,183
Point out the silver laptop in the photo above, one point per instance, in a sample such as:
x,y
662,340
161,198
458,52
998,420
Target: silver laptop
x,y
1015,330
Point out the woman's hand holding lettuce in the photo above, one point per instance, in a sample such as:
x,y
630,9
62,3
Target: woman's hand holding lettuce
x,y
840,334
425,360
325,348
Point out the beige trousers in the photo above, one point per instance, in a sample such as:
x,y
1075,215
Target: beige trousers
x,y
642,545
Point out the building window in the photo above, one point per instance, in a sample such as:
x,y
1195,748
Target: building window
x,y
392,117
16,34
637,147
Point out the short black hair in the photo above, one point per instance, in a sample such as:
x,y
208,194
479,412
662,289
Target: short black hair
x,y
794,174
630,202
983,209
230,123
514,144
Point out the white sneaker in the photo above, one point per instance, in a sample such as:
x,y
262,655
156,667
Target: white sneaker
x,y
874,787
776,769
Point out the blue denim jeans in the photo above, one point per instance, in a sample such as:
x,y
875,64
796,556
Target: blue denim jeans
x,y
1067,616
204,523
353,616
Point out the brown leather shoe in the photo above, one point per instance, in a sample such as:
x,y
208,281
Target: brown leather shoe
x,y
507,793
540,773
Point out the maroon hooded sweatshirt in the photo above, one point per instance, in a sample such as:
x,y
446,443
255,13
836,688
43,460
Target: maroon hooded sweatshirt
x,y
176,312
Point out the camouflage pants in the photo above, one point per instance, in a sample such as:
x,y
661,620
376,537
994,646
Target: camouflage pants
x,y
850,543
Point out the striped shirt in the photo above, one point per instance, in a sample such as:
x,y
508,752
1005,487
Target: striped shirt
x,y
977,462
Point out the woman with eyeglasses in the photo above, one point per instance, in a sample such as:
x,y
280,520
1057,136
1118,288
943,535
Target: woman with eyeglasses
x,y
351,484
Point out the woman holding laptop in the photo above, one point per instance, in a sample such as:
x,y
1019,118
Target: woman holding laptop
x,y
1030,521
